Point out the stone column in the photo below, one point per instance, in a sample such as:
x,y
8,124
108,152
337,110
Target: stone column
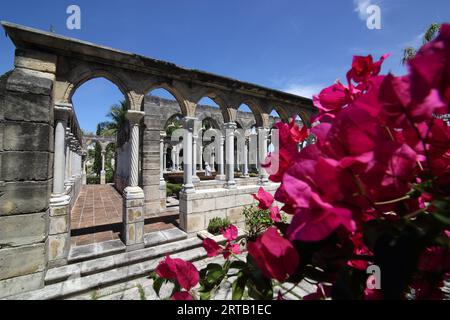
x,y
230,127
68,157
165,158
221,175
213,160
133,195
161,158
103,172
200,161
59,224
262,154
195,178
188,126
84,174
245,158
172,157
177,158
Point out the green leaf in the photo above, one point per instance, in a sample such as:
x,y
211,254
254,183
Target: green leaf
x,y
215,276
238,265
442,218
238,286
157,283
205,295
175,289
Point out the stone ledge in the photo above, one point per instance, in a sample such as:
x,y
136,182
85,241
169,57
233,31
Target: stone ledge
x,y
119,260
83,284
95,250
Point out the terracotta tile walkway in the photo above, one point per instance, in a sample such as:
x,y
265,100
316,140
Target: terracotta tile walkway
x,y
97,216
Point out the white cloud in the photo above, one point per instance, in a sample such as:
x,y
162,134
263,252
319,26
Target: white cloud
x,y
306,91
361,8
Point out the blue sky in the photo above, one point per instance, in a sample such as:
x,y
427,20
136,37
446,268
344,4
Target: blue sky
x,y
291,45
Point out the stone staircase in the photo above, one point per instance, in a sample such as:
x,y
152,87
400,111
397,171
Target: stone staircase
x,y
112,267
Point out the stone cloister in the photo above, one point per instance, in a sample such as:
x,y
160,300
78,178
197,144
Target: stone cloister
x,y
43,150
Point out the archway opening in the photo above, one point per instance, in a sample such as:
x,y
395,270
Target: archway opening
x,y
163,123
208,143
96,216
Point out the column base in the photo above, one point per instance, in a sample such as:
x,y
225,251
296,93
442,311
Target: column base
x,y
84,179
58,241
103,177
262,181
221,177
133,218
231,185
195,179
188,188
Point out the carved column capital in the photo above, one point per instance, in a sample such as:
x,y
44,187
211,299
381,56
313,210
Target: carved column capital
x,y
135,117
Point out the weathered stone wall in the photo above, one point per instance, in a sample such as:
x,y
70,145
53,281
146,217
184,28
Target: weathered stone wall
x,y
196,209
26,170
154,121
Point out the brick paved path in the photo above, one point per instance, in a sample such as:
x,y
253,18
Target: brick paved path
x,y
97,216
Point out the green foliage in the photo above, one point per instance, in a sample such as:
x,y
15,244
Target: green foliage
x,y
216,225
94,295
256,221
430,34
93,179
141,292
117,114
173,189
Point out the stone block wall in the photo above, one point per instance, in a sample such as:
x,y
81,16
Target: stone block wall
x,y
196,209
26,170
153,124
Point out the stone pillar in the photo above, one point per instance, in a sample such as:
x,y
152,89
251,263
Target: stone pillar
x,y
230,127
103,172
262,154
133,195
195,178
67,157
162,158
172,157
245,158
177,157
59,227
213,160
84,173
165,158
188,125
221,175
200,161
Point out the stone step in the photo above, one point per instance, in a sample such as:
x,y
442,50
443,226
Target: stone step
x,y
119,260
95,250
84,284
164,236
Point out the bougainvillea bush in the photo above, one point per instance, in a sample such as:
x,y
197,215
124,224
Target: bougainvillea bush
x,y
373,190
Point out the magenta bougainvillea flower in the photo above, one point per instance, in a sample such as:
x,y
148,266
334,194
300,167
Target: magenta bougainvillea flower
x,y
265,199
230,233
184,272
275,214
275,256
212,248
182,295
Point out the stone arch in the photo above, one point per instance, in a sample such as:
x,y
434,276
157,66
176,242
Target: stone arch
x,y
256,110
215,123
176,93
281,112
77,78
220,101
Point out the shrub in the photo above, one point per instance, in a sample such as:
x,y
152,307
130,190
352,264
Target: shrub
x,y
173,189
216,225
257,221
